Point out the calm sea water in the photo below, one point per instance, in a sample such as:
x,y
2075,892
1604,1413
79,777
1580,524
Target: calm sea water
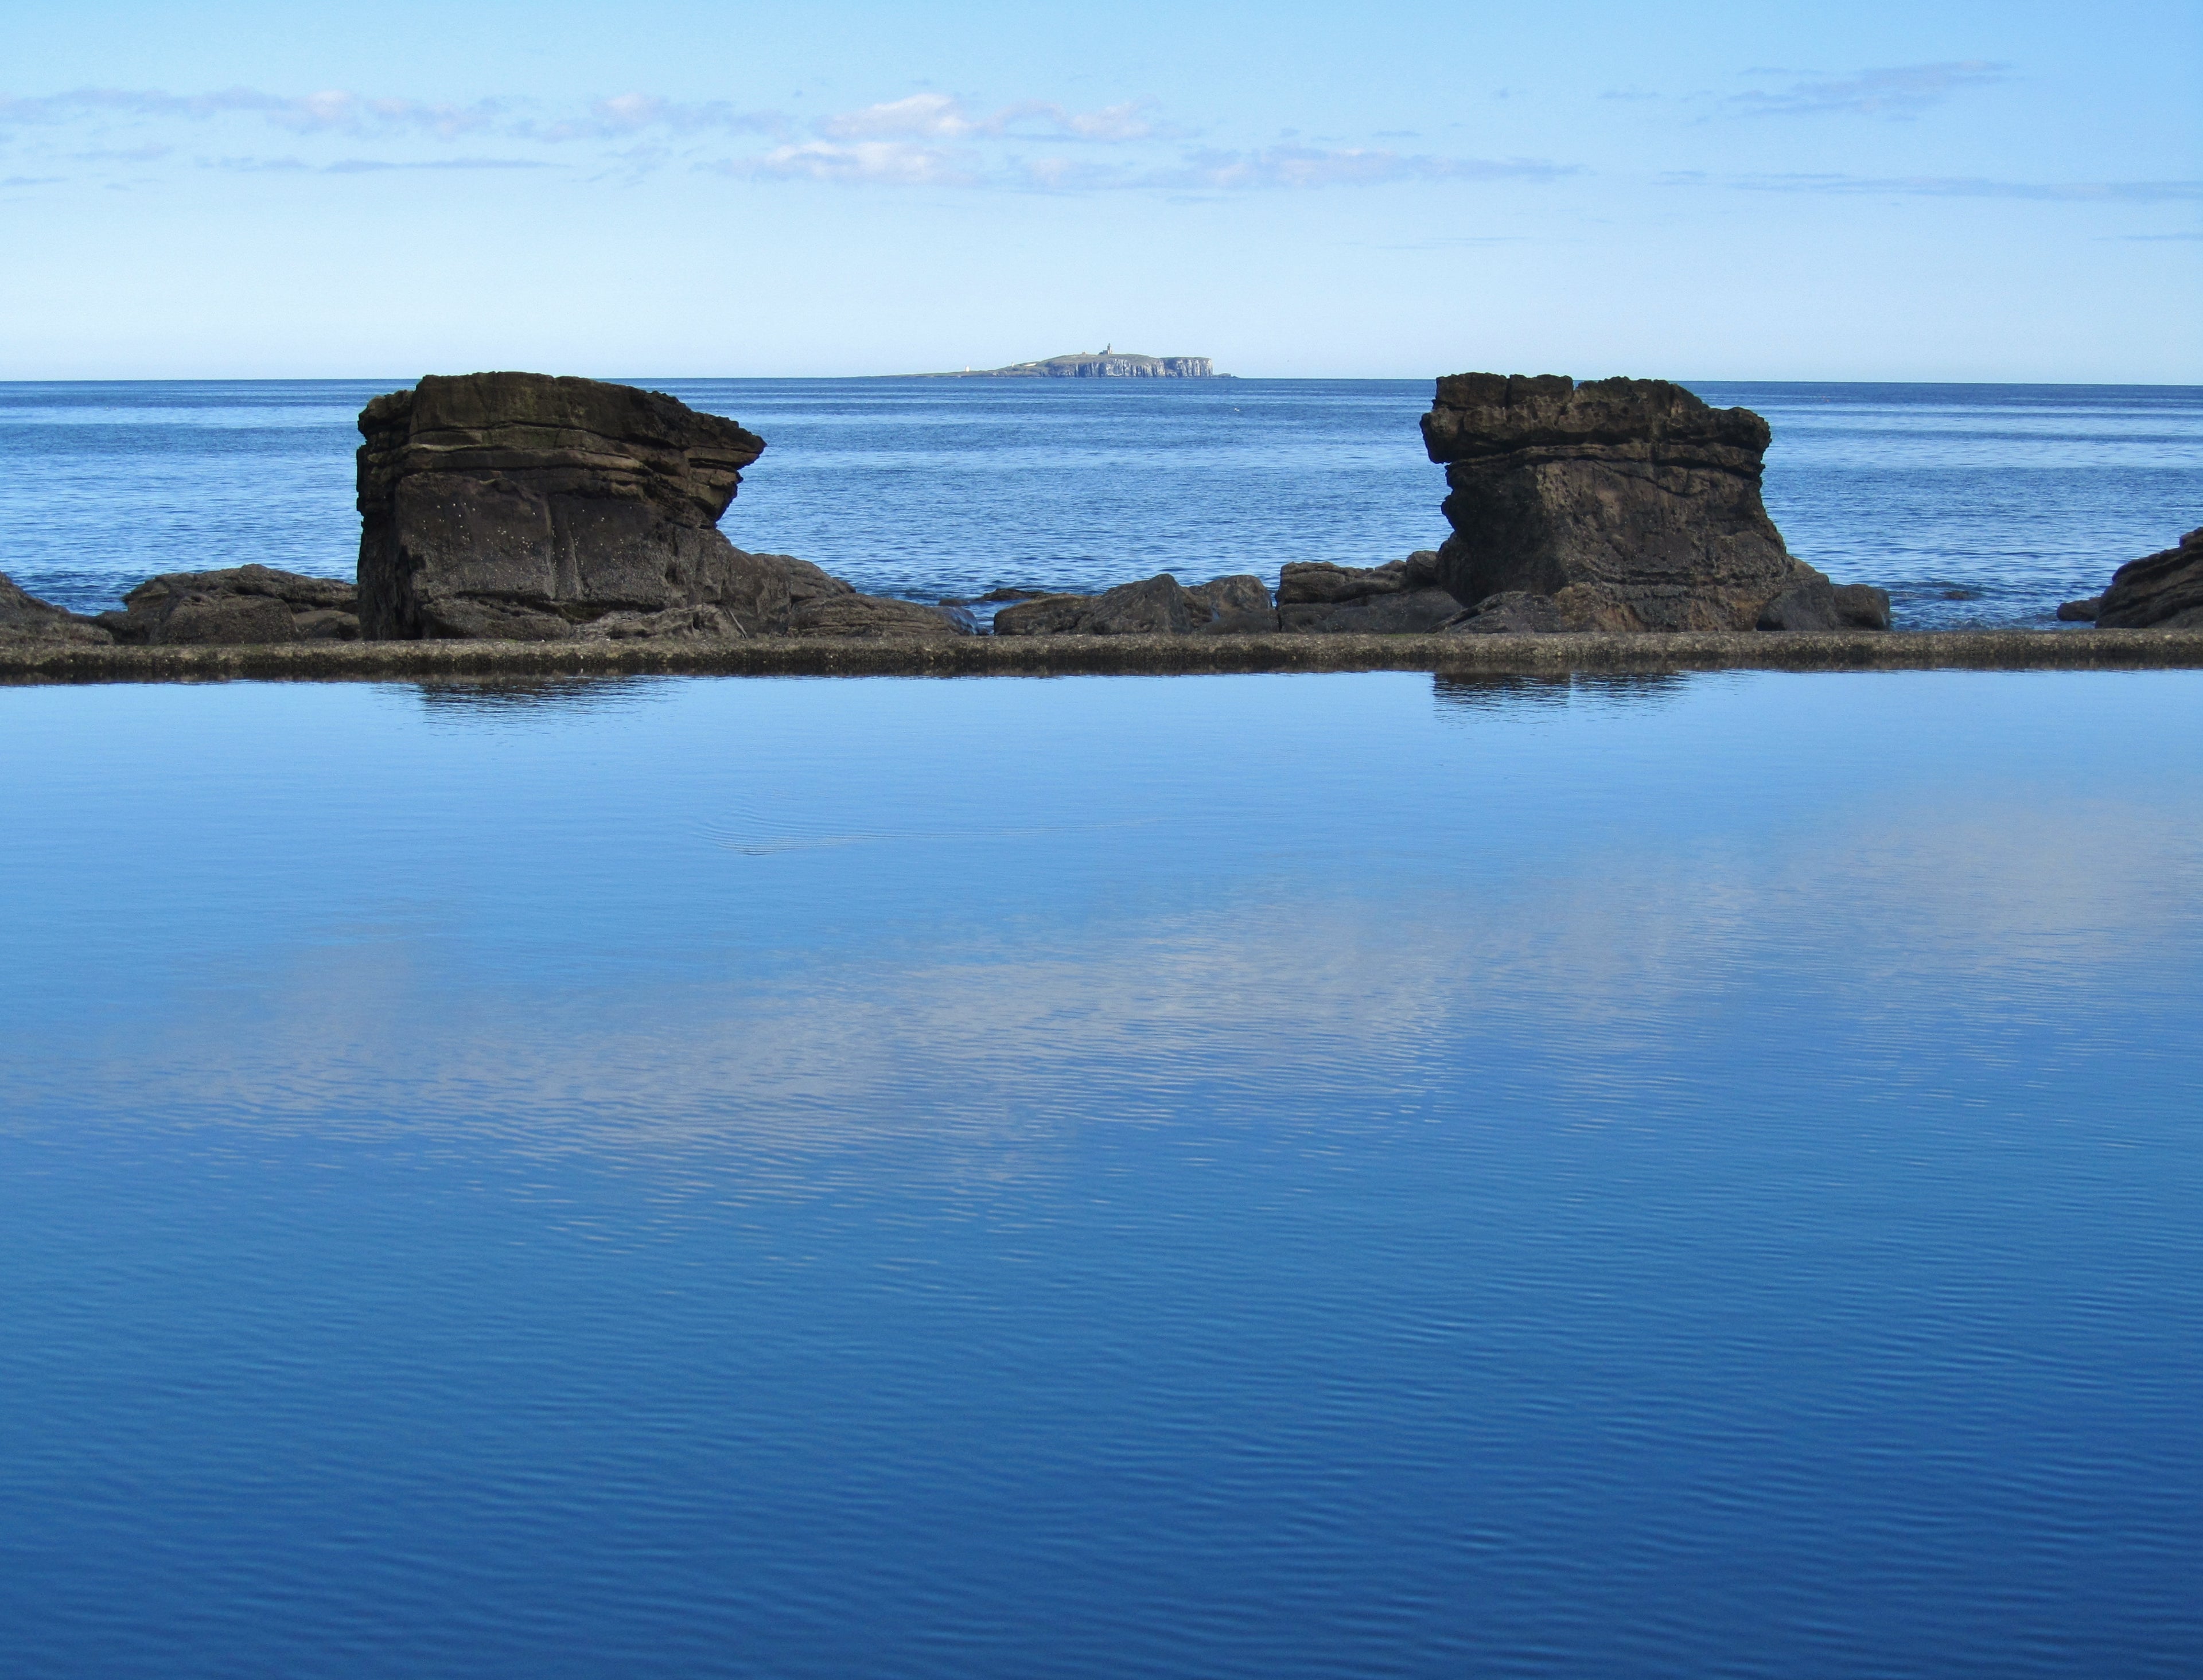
x,y
1972,505
1271,1176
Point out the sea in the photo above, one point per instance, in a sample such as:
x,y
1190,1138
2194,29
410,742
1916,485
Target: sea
x,y
1972,505
1282,1176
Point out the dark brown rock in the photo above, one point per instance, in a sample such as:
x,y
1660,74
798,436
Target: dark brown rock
x,y
1229,597
225,619
519,505
1399,612
1861,606
1042,615
250,604
851,616
1630,502
24,618
2080,612
705,623
1319,582
1818,604
2159,592
1514,613
1159,605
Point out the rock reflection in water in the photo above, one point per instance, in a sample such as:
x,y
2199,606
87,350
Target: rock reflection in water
x,y
519,698
1512,692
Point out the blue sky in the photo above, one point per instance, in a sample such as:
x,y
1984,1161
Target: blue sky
x,y
1968,191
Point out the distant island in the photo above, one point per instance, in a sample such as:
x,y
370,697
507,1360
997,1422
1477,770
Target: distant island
x,y
1102,363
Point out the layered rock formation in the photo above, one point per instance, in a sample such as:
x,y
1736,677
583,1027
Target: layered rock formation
x,y
237,604
1626,505
24,618
1156,606
526,507
1403,598
2159,592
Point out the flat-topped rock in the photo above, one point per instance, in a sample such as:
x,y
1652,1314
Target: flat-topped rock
x,y
520,506
1630,504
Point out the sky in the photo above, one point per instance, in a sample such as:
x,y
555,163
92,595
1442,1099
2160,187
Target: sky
x,y
1992,192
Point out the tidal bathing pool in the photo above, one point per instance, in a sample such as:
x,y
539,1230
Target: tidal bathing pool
x,y
1264,1175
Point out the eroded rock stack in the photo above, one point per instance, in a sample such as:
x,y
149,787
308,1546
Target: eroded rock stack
x,y
1616,504
527,507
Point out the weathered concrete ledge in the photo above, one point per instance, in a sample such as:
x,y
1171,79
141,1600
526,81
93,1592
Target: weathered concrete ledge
x,y
1065,656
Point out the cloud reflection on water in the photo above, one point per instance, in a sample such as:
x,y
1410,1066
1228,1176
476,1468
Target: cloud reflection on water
x,y
981,1034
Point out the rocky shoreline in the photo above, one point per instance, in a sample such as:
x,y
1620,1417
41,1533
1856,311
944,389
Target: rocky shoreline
x,y
1609,522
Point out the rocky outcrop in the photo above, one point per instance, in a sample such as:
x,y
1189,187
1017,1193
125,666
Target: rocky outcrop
x,y
1818,604
2159,592
519,505
1514,612
1403,598
1630,504
236,604
849,616
1156,606
24,618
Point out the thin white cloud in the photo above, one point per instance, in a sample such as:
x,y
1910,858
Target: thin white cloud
x,y
1301,167
1110,124
924,139
863,163
907,163
363,166
939,116
332,110
1973,187
1898,91
628,114
922,117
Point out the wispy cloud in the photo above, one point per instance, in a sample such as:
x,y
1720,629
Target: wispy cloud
x,y
1897,93
921,140
625,115
1301,167
334,110
908,162
860,163
30,181
368,165
1969,186
938,116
